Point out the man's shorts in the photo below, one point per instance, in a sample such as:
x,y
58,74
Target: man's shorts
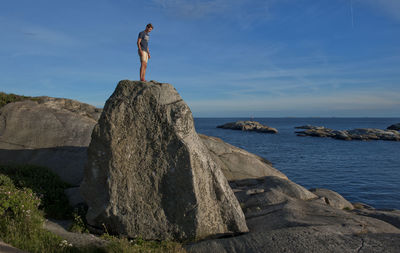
x,y
144,57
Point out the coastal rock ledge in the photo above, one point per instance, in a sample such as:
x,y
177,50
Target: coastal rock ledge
x,y
249,126
364,134
148,173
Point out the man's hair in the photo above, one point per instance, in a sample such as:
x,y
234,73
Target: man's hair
x,y
149,25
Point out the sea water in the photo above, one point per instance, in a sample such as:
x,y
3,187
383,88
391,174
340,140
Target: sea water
x,y
361,171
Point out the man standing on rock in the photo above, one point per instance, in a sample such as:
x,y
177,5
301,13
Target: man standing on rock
x,y
143,50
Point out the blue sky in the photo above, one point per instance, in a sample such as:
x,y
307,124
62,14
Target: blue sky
x,y
227,58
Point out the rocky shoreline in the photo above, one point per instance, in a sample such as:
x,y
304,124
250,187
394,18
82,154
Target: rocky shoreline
x,y
364,134
151,175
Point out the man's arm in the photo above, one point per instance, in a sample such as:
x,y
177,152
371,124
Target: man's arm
x,y
148,52
138,45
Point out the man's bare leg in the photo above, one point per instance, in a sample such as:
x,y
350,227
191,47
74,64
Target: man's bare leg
x,y
143,67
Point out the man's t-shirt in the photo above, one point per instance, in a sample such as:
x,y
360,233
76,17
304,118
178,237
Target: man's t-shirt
x,y
144,42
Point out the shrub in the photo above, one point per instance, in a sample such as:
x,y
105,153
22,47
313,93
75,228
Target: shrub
x,y
21,220
45,184
9,98
79,221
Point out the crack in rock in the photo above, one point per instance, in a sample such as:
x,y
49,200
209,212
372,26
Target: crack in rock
x,y
362,245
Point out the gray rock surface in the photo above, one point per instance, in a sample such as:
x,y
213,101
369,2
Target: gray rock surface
x,y
332,198
254,194
237,163
149,174
74,196
46,123
51,132
303,225
301,240
354,134
249,126
390,216
60,228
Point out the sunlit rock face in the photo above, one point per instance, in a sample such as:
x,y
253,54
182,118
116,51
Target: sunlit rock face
x,y
149,174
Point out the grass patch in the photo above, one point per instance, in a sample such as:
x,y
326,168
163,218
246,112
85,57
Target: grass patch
x,y
9,98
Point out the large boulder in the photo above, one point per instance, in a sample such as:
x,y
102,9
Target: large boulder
x,y
237,163
149,174
51,132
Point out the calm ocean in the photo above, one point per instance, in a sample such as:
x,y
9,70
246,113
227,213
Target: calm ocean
x,y
362,171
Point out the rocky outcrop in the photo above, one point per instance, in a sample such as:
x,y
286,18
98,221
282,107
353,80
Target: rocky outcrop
x,y
332,198
355,134
149,174
394,127
307,226
284,217
51,132
237,163
255,194
46,123
249,126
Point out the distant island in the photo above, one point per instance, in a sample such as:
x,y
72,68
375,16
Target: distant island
x,y
364,134
249,126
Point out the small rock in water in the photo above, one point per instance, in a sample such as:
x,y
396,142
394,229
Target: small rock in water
x,y
249,126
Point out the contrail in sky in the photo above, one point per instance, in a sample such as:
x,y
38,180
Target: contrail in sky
x,y
352,16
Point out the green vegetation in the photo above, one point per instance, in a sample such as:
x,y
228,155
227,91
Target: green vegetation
x,y
9,98
45,184
79,221
21,220
29,193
